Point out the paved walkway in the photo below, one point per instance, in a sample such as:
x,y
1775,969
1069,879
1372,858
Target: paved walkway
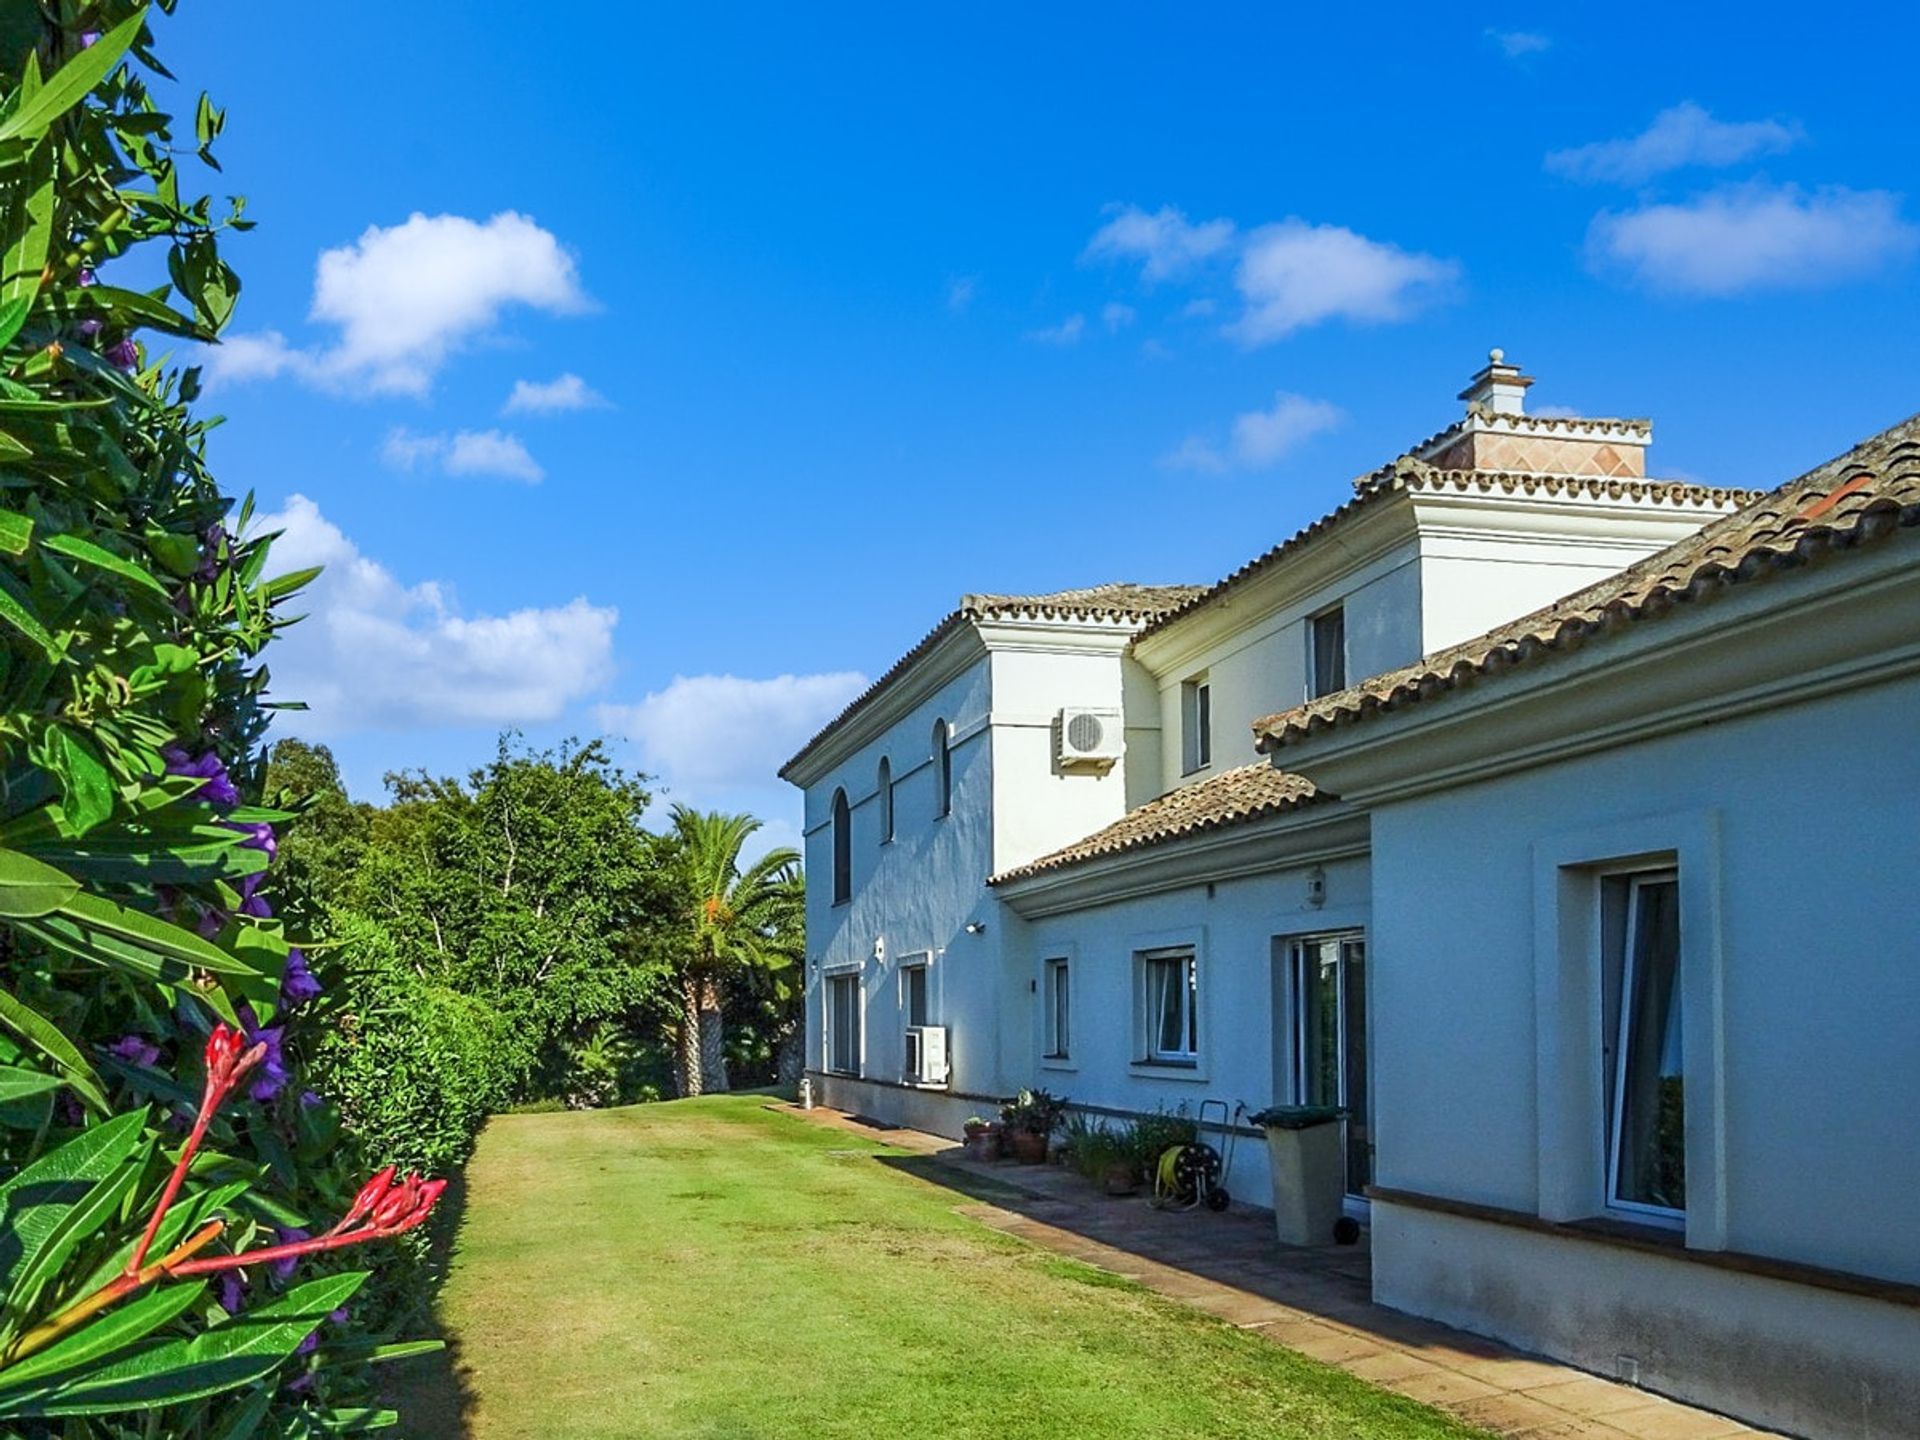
x,y
1315,1300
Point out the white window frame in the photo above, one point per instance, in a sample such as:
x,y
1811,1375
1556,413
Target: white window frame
x,y
1056,975
850,974
920,962
1571,1073
1315,688
1148,962
1196,724
1616,1082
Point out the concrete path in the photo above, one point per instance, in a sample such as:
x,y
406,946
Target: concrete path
x,y
1313,1300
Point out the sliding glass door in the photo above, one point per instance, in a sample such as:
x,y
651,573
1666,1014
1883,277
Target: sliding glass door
x,y
1328,1010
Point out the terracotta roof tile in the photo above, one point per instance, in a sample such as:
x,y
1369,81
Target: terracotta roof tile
x,y
1853,500
1232,797
1120,601
1409,474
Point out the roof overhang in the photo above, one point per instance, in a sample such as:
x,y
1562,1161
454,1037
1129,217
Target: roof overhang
x,y
1308,835
1792,636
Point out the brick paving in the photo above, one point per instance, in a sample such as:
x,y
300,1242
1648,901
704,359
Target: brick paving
x,y
1315,1300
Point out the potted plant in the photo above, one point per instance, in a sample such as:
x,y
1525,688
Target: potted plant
x,y
1309,1170
1029,1119
982,1142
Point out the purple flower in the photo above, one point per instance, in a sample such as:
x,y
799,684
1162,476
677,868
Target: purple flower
x,y
270,1076
210,924
86,277
296,982
256,908
88,329
311,1099
259,837
212,538
89,39
231,1291
123,354
218,791
282,1270
135,1050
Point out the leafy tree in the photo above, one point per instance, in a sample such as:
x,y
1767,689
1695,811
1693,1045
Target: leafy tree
x,y
738,924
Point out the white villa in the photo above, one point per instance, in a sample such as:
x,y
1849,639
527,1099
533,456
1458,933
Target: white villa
x,y
1557,821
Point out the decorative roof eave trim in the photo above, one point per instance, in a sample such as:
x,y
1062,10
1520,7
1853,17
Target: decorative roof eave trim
x,y
1275,841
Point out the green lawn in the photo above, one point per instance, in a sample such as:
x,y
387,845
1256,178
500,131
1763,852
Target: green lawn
x,y
711,1268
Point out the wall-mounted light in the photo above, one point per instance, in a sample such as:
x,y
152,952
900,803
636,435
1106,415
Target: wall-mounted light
x,y
879,949
976,927
1316,887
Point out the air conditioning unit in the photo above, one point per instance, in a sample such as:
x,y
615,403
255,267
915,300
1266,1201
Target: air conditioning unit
x,y
1089,737
926,1055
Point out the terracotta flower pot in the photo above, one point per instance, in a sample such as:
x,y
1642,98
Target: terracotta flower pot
x,y
1029,1146
1121,1178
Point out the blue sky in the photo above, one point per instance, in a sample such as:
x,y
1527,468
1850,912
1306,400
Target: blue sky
x,y
865,306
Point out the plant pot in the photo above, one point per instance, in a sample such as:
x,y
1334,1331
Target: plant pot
x,y
982,1143
1029,1146
1121,1178
1309,1178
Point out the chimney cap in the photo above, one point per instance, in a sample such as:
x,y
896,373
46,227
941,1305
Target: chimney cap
x,y
1498,386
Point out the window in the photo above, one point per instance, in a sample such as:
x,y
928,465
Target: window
x,y
842,849
1196,725
1646,1116
1171,986
883,789
843,1024
913,993
942,771
1059,1011
1327,664
1328,994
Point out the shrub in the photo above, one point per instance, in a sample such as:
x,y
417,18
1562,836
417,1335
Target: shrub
x,y
1155,1134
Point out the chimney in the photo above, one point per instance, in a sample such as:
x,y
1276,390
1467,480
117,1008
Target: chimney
x,y
1499,389
1497,434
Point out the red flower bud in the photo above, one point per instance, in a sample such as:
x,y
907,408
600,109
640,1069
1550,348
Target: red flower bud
x,y
223,1047
370,1195
429,1194
398,1204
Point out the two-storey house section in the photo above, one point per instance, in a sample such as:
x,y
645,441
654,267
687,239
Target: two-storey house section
x,y
996,738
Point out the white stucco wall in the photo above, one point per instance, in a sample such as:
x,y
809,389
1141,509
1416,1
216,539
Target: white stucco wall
x,y
916,894
1817,812
1236,930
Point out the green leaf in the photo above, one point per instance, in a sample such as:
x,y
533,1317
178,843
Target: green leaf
x,y
245,1421
41,1033
236,1352
28,233
17,1084
15,612
81,1222
283,585
86,790
37,1199
16,531
149,932
30,887
113,1331
179,555
69,84
133,308
89,553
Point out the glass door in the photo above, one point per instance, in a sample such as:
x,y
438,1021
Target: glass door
x,y
1329,1009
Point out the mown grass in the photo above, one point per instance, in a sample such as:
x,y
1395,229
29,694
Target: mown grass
x,y
710,1268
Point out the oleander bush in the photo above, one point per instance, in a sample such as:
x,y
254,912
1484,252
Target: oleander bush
x,y
168,1244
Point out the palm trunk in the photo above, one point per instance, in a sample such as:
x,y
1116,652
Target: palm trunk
x,y
688,1070
712,1035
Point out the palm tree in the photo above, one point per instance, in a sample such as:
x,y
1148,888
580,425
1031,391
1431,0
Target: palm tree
x,y
740,923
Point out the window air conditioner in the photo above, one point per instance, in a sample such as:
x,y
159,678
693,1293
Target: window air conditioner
x,y
1089,737
926,1054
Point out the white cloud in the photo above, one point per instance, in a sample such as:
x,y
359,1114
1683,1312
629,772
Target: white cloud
x,y
405,297
960,292
1679,138
718,734
552,397
464,452
1515,44
1294,274
1116,317
1259,438
1166,243
1198,309
1554,412
375,653
1751,237
1067,332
